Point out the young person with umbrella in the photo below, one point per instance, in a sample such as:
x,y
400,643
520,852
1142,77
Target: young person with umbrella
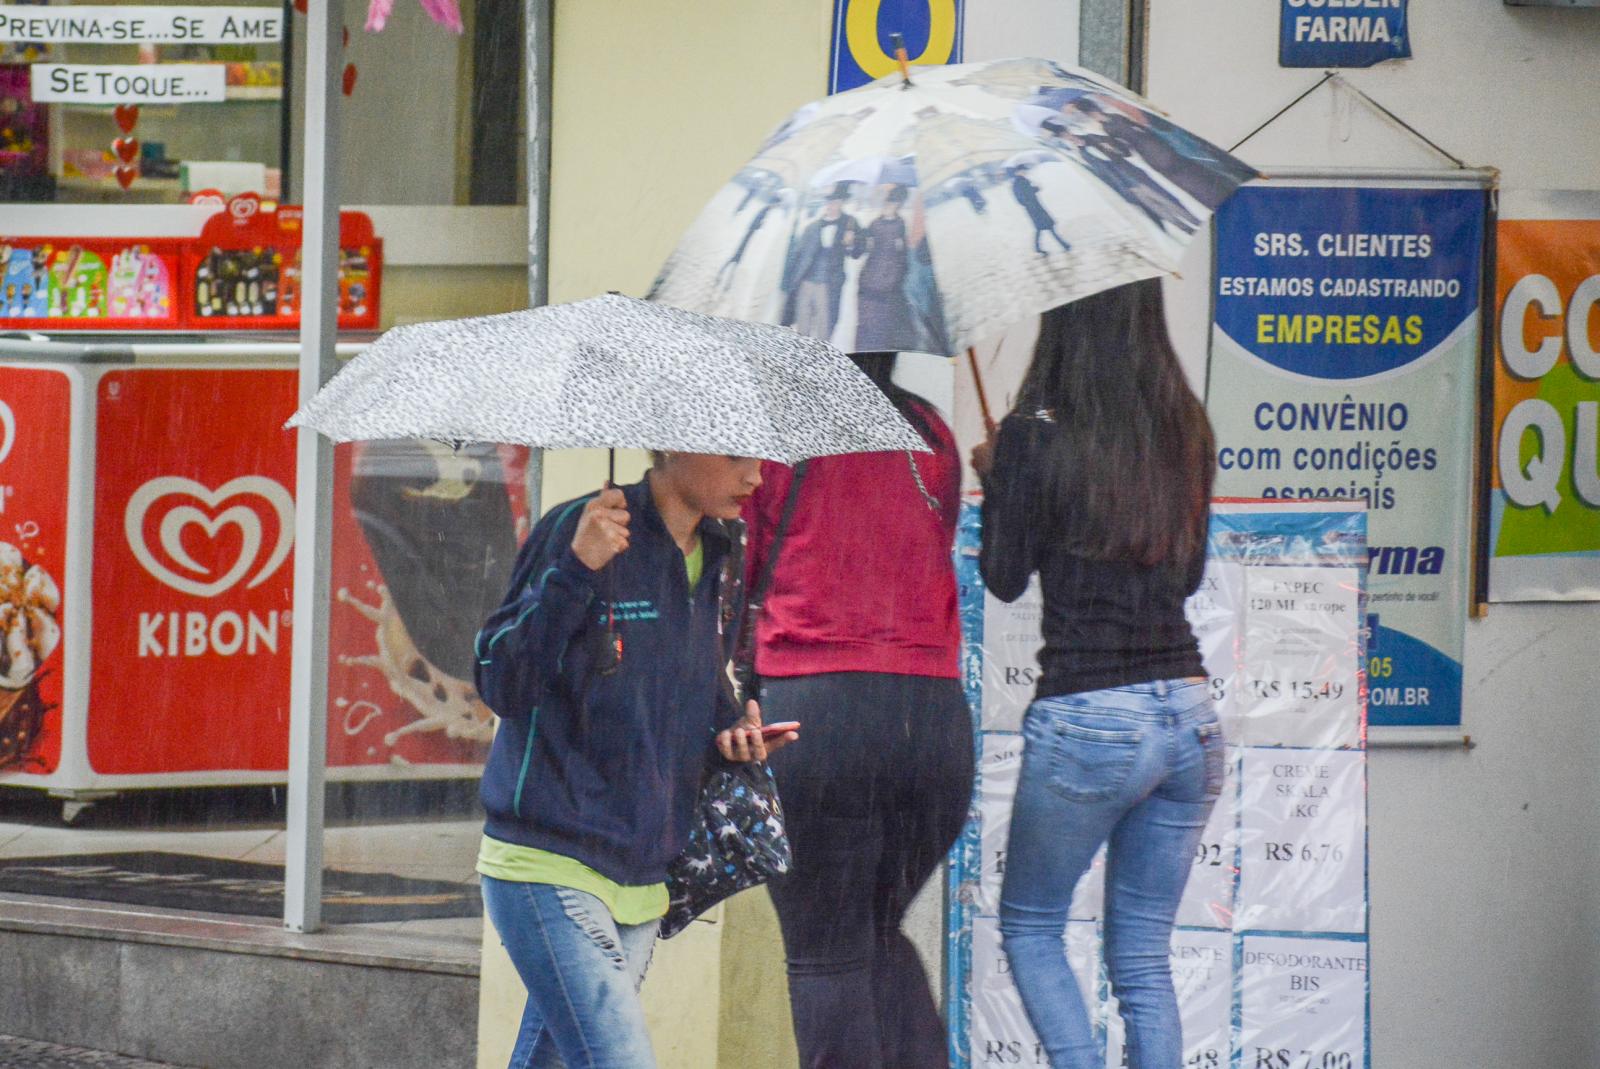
x,y
605,665
1099,481
859,640
607,661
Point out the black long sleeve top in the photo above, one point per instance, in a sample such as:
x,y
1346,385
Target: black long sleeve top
x,y
1106,623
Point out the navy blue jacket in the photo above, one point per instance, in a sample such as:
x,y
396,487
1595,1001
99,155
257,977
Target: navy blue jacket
x,y
606,768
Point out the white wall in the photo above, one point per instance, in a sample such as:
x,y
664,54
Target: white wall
x,y
1485,864
999,29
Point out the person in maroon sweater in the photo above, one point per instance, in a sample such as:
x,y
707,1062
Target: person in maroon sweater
x,y
859,640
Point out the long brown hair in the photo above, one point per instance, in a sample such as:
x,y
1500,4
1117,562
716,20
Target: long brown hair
x,y
1129,471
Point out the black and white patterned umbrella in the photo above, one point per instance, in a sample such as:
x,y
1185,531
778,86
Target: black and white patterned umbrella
x,y
611,372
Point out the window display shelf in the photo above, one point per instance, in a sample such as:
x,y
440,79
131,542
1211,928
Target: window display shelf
x,y
255,92
86,184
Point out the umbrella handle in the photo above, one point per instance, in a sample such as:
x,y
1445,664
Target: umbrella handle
x,y
902,55
983,398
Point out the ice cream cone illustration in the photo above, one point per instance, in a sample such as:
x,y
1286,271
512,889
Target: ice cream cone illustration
x,y
29,634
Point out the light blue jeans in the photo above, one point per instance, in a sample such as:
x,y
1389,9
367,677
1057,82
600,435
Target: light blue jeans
x,y
582,971
1140,767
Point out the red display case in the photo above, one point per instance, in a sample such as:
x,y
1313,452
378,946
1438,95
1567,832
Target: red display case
x,y
52,283
242,272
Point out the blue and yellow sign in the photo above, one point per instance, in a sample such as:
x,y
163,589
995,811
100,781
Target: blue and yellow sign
x,y
1342,33
862,30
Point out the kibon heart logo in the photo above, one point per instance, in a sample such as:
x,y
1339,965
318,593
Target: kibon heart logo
x,y
188,514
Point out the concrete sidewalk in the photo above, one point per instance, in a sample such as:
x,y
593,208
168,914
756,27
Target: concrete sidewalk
x,y
17,1053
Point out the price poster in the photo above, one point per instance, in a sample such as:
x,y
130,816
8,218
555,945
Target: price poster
x,y
1001,762
1302,831
1213,613
1208,896
1001,1034
1202,974
1303,1003
1011,657
1270,950
1299,682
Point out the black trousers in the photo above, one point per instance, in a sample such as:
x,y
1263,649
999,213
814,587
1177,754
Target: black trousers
x,y
874,795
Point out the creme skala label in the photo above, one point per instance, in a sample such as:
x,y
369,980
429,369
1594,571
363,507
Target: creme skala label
x,y
1302,841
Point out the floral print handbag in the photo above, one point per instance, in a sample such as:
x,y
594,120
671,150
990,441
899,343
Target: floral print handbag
x,y
737,841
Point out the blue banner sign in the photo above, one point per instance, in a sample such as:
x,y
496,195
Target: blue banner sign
x,y
862,31
1342,33
1344,360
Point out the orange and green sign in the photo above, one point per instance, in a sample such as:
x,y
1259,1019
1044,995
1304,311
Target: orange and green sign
x,y
1545,501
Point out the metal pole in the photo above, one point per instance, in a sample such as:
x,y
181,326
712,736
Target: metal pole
x,y
308,687
537,26
1481,177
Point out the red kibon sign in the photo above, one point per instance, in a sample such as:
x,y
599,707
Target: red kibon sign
x,y
193,577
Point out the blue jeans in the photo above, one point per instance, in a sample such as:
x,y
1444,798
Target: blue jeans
x,y
582,971
1140,766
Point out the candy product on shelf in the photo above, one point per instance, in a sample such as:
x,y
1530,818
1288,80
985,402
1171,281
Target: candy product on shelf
x,y
245,268
77,284
140,286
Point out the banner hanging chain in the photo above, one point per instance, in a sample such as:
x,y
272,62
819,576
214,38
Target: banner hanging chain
x,y
1326,77
1335,76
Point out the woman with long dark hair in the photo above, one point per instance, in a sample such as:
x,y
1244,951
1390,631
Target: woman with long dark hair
x,y
859,640
1099,481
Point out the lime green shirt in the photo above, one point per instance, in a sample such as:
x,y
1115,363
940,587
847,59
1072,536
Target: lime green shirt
x,y
694,562
525,864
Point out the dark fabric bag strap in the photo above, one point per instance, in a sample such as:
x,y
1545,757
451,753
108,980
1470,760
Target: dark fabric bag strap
x,y
758,592
744,649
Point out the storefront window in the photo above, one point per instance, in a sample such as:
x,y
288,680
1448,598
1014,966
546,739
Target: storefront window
x,y
149,368
425,537
430,117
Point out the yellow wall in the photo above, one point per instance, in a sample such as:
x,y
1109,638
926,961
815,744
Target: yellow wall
x,y
416,294
656,105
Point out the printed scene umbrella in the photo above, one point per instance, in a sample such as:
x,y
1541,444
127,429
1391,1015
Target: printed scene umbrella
x,y
932,210
611,372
